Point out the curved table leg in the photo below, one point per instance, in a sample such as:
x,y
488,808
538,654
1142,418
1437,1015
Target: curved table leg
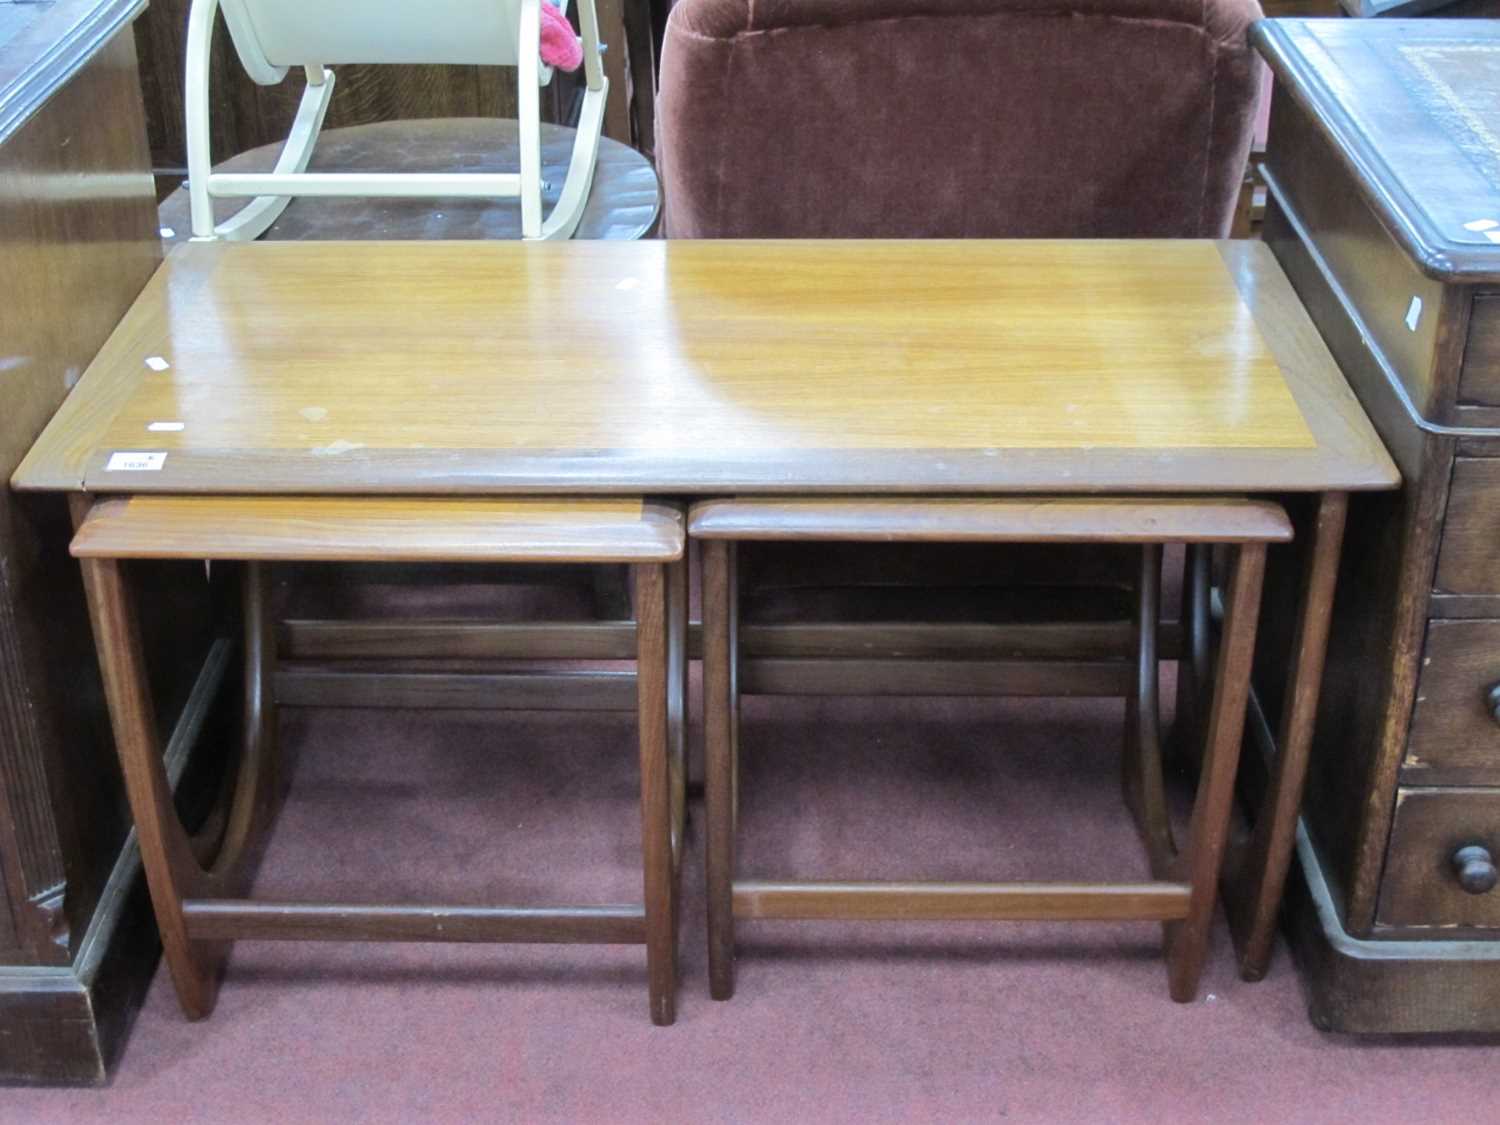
x,y
174,871
1193,661
258,782
1144,785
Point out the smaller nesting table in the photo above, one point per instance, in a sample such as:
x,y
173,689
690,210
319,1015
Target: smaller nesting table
x,y
1184,884
199,882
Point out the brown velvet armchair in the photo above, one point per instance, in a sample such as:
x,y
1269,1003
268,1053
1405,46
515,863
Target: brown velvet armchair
x,y
955,118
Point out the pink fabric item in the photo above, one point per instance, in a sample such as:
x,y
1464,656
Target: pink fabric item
x,y
560,47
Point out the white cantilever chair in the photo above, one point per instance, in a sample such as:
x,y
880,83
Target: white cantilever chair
x,y
271,36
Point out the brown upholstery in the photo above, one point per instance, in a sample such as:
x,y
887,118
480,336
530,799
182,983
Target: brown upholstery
x,y
960,118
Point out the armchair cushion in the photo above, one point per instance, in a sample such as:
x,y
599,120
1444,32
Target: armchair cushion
x,y
955,118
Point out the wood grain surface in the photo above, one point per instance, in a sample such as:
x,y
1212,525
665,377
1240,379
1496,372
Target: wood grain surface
x,y
962,902
353,529
1469,558
1419,891
1038,520
696,367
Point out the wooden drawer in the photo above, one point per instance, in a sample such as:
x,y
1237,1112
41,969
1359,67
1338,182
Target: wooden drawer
x,y
1469,560
1420,888
1454,737
1479,377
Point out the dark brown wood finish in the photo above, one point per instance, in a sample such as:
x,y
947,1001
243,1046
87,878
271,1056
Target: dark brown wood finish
x,y
1193,655
721,756
1469,559
1391,547
47,45
485,691
1185,895
1202,859
1257,880
320,639
1429,886
214,920
854,675
1254,890
1455,733
1376,191
1378,278
198,883
78,257
658,864
962,902
165,849
1479,376
1141,763
77,947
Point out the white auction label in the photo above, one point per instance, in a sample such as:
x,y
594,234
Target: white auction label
x,y
135,462
1414,314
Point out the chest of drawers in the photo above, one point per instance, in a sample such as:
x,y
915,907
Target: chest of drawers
x,y
1384,181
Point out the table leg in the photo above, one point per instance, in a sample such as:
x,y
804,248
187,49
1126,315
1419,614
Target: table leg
x,y
166,853
1193,659
1145,788
1199,865
656,791
677,719
259,784
720,706
1274,837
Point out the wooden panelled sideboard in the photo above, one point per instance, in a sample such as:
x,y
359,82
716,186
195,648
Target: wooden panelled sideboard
x,y
78,224
1383,170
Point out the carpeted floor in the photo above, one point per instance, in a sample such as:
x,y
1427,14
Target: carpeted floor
x,y
831,1023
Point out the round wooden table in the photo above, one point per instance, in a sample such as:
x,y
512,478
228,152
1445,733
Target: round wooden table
x,y
623,204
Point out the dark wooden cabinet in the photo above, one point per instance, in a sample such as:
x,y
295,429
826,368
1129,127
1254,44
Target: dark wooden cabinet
x,y
78,225
1383,173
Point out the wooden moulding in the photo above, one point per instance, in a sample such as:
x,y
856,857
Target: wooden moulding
x,y
1102,678
318,639
223,920
1035,520
492,691
963,902
380,529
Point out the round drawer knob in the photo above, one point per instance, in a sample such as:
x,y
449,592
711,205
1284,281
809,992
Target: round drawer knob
x,y
1492,701
1475,869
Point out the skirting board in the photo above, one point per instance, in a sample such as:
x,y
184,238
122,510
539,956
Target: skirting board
x,y
1372,987
65,1025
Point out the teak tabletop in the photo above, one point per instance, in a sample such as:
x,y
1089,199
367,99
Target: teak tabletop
x,y
713,367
